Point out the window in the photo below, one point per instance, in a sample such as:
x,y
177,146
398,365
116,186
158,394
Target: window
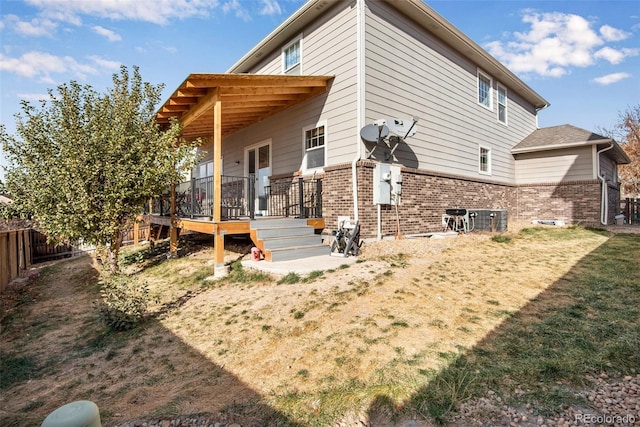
x,y
205,169
292,58
484,90
485,161
314,147
502,104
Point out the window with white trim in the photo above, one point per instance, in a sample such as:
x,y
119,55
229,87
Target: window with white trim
x,y
484,160
484,90
292,58
314,147
502,104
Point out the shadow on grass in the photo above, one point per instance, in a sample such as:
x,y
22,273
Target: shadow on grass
x,y
587,322
145,373
148,257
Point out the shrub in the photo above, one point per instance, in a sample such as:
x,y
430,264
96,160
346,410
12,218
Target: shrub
x,y
124,302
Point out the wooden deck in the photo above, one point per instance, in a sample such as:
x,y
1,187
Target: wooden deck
x,y
230,227
221,229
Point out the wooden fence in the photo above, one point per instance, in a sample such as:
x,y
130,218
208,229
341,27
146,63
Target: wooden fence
x,y
139,231
42,251
21,248
15,254
631,210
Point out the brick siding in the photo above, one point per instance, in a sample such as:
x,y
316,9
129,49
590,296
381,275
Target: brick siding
x,y
426,196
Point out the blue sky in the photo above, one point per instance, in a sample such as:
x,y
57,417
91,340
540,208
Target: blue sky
x,y
582,56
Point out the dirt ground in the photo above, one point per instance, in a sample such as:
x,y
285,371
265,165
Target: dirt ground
x,y
222,348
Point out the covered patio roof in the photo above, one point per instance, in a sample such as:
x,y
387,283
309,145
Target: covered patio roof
x,y
245,99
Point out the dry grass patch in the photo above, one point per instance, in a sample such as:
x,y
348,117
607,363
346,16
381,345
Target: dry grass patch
x,y
368,339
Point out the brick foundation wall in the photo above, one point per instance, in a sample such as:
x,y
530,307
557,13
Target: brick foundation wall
x,y
575,202
426,196
337,194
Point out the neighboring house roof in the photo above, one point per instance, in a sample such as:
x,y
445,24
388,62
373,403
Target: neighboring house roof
x,y
5,200
567,136
419,12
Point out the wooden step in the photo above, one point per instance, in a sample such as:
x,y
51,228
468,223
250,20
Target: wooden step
x,y
298,252
287,239
292,241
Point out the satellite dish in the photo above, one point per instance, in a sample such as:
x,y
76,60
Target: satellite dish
x,y
402,127
374,133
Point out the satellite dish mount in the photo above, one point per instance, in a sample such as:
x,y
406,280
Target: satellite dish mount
x,y
378,132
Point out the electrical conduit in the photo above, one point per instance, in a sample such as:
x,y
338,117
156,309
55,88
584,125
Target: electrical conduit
x,y
360,102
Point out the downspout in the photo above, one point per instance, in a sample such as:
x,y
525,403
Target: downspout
x,y
604,196
359,102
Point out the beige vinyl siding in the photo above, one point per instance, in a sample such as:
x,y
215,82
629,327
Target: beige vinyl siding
x,y
608,168
570,164
329,48
410,72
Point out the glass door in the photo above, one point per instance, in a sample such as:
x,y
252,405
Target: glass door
x,y
258,161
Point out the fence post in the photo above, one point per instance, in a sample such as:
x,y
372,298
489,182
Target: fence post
x,y
28,253
13,255
4,260
627,210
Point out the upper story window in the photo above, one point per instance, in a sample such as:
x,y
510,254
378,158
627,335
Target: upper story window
x,y
484,160
314,147
292,58
484,90
502,104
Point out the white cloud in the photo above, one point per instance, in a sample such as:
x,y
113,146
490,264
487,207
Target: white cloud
x,y
611,78
105,63
611,34
615,56
37,27
33,96
155,11
270,7
41,65
233,6
555,43
108,34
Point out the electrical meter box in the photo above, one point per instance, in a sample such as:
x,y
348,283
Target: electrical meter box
x,y
382,184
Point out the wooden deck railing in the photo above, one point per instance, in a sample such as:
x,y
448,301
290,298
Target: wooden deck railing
x,y
300,198
195,198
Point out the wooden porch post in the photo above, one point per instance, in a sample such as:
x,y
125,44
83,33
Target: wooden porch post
x,y
220,268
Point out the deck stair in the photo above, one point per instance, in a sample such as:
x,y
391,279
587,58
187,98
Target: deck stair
x,y
286,239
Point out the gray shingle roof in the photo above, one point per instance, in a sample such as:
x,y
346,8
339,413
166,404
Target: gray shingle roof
x,y
565,136
558,136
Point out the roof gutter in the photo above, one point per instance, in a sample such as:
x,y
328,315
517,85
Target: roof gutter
x,y
459,41
558,146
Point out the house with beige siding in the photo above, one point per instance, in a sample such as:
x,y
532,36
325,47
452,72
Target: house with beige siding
x,y
283,132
